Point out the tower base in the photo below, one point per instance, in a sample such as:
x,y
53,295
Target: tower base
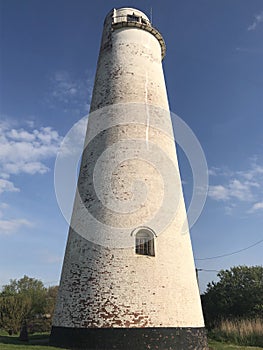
x,y
129,338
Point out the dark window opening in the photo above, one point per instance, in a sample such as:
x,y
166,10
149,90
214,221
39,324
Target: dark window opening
x,y
144,244
132,18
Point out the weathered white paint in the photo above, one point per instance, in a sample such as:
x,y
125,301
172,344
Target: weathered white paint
x,y
112,286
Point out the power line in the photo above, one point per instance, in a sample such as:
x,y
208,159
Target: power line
x,y
228,254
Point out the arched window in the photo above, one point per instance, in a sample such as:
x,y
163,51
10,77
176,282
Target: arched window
x,y
144,242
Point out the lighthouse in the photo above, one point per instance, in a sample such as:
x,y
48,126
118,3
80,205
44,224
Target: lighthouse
x,y
128,280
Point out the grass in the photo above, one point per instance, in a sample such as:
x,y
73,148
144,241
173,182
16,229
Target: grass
x,y
240,332
26,347
36,342
215,345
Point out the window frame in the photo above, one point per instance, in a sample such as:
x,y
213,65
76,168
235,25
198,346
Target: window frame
x,y
133,18
144,242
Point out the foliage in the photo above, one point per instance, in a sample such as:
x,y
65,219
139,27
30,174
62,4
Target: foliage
x,y
13,311
26,301
237,294
51,295
241,332
28,288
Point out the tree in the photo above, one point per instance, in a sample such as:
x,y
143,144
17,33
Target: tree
x,y
238,293
51,300
13,312
28,288
26,301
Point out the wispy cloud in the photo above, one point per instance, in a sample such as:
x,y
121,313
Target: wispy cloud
x,y
4,205
10,226
256,207
250,50
74,141
234,187
7,186
229,209
218,192
257,20
50,258
73,93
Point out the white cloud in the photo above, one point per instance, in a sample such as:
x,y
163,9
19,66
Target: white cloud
x,y
7,186
20,135
218,192
26,167
11,226
216,171
213,171
4,205
252,173
258,19
256,207
234,187
240,190
23,151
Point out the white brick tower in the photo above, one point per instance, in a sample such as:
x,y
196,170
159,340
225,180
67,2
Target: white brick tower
x,y
128,278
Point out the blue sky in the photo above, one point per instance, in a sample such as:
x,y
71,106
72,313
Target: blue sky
x,y
214,76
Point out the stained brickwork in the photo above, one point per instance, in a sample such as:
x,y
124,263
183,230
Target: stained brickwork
x,y
102,287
